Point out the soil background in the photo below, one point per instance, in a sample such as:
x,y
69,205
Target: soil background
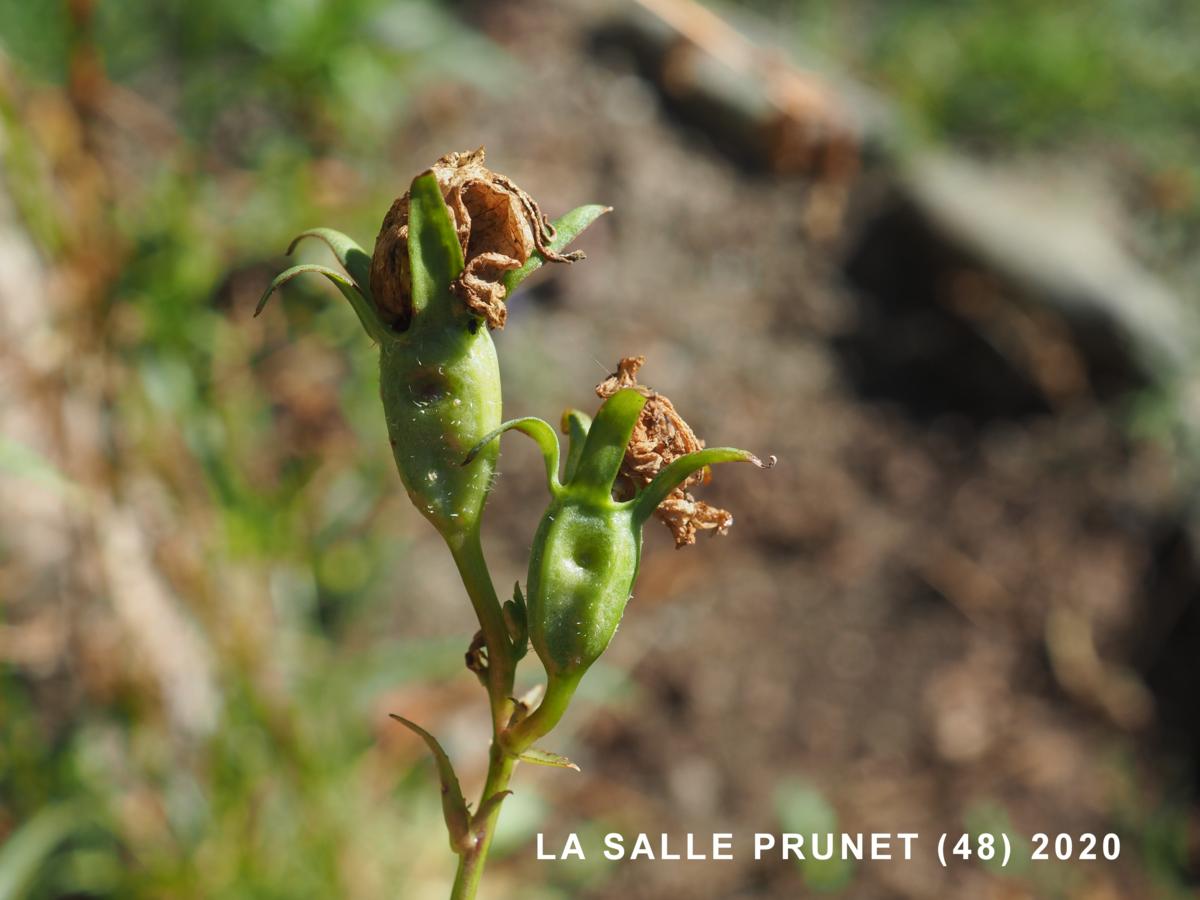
x,y
945,605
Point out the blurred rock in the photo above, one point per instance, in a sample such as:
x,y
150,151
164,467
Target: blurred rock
x,y
996,293
1056,236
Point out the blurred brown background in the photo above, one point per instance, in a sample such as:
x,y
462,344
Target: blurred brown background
x,y
937,261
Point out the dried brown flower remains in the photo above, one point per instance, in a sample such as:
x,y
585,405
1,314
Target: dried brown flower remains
x,y
499,227
660,437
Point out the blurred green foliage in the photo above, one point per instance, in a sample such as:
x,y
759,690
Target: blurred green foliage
x,y
279,115
802,809
1114,80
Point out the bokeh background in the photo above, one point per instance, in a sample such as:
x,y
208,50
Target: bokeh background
x,y
939,258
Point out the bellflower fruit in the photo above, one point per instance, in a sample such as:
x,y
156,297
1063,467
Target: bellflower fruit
x,y
449,251
587,547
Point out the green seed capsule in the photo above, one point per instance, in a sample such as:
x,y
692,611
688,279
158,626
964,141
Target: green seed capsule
x,y
586,551
441,393
587,547
439,376
439,379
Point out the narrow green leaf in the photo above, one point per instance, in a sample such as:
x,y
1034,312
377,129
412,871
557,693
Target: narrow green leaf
x,y
353,258
537,429
575,425
546,758
26,851
433,249
362,307
649,498
454,804
567,229
600,460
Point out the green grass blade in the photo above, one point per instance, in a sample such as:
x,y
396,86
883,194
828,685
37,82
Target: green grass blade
x,y
26,851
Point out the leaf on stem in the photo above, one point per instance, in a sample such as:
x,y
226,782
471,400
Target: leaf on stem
x,y
649,498
542,434
545,758
454,804
604,449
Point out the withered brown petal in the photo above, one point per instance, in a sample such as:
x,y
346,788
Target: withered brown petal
x,y
660,437
498,226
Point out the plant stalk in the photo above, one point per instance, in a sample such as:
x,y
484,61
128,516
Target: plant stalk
x,y
471,863
501,671
501,666
542,720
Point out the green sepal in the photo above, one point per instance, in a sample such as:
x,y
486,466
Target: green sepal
x,y
367,316
537,429
653,494
546,758
604,449
454,804
517,622
434,253
567,228
575,425
353,258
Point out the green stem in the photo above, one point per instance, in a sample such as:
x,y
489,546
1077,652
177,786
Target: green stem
x,y
501,670
559,691
471,863
472,567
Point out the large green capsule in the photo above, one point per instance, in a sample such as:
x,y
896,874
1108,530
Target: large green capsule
x,y
441,394
581,575
439,377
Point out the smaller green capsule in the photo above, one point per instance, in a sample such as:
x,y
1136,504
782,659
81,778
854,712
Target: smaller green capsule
x,y
587,548
581,573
